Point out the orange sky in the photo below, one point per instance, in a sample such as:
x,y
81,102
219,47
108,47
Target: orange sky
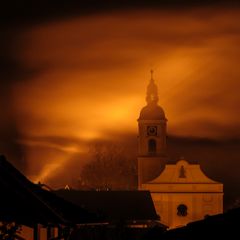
x,y
89,76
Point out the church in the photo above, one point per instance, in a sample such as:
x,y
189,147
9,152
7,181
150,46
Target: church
x,y
181,192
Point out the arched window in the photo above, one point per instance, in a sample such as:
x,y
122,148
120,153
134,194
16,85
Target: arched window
x,y
182,210
182,172
152,146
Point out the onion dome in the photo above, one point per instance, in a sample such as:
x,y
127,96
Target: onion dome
x,y
152,112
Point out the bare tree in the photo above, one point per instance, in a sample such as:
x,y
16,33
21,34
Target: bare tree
x,y
110,168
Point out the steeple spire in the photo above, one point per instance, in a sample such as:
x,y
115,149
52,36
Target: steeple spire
x,y
152,91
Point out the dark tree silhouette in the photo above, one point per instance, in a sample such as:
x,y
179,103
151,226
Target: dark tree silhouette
x,y
110,169
10,231
235,203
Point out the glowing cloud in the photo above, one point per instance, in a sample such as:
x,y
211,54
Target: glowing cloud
x,y
90,74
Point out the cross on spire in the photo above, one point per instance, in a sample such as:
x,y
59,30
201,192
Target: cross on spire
x,y
152,92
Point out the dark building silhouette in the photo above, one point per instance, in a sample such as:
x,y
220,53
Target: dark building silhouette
x,y
133,207
28,204
129,214
220,226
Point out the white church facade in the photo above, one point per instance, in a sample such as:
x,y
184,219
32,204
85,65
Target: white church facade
x,y
181,192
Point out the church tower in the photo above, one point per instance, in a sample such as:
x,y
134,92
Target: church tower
x,y
152,125
180,191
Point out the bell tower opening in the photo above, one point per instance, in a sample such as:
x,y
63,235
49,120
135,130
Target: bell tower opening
x,y
152,146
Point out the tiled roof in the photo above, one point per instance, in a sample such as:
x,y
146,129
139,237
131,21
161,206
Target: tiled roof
x,y
115,205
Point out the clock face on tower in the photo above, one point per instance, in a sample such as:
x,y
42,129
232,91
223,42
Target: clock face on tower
x,y
152,130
